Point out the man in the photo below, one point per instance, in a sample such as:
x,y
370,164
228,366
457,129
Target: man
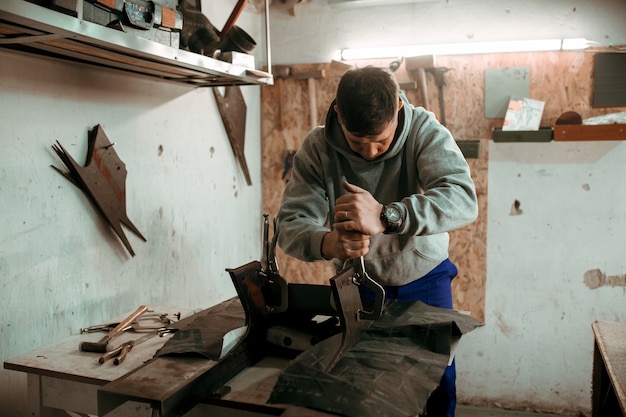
x,y
384,180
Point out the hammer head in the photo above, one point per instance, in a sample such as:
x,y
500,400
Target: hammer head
x,y
414,63
98,347
281,71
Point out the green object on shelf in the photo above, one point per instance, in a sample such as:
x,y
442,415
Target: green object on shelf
x,y
470,148
544,134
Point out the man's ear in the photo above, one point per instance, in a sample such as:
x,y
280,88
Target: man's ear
x,y
338,115
401,105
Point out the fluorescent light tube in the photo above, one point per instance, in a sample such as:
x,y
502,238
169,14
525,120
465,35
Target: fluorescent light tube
x,y
464,48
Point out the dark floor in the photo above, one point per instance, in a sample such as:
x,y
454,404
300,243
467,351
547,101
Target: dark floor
x,y
466,411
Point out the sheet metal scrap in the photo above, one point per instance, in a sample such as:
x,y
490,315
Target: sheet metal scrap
x,y
352,316
103,180
232,108
391,370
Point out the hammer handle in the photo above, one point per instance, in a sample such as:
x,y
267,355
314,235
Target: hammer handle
x,y
234,15
102,345
126,322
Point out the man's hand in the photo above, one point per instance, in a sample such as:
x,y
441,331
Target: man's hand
x,y
345,245
358,211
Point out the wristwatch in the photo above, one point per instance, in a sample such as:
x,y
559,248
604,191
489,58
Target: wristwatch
x,y
392,218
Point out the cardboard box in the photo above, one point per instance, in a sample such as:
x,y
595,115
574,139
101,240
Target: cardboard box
x,y
590,132
544,134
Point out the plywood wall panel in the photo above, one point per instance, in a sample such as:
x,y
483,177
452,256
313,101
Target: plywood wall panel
x,y
563,80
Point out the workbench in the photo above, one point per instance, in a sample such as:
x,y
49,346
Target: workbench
x,y
609,369
62,377
220,361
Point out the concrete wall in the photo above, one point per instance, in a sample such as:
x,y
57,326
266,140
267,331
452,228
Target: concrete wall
x,y
536,348
61,266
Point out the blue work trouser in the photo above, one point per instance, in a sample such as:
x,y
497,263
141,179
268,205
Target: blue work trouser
x,y
433,289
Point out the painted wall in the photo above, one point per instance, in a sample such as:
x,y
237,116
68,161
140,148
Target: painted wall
x,y
61,266
535,350
316,31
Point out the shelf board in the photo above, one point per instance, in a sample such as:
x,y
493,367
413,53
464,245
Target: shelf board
x,y
30,28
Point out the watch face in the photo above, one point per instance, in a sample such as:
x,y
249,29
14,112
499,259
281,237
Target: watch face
x,y
392,214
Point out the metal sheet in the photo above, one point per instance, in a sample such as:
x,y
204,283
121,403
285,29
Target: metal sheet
x,y
390,372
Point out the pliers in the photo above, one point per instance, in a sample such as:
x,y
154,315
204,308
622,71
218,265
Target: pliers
x,y
119,353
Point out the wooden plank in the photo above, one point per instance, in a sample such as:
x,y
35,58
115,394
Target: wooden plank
x,y
589,132
610,339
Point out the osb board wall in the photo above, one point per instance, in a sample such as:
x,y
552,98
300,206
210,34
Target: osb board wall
x,y
563,80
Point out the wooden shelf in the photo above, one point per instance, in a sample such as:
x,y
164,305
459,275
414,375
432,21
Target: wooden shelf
x,y
30,28
590,132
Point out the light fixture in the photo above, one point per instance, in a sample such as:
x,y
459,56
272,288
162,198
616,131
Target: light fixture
x,y
463,48
353,4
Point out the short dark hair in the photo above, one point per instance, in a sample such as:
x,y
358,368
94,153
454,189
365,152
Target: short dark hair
x,y
367,99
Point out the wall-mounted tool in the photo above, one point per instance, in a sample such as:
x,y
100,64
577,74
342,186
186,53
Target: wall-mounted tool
x,y
103,180
440,81
148,322
280,72
232,108
310,76
417,65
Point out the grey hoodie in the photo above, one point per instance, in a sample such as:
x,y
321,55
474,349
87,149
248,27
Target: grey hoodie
x,y
423,171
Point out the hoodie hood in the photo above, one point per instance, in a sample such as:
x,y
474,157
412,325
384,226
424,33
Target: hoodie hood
x,y
336,139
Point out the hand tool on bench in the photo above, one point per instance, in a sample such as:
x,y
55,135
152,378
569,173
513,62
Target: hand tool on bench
x,y
102,345
120,352
280,72
157,321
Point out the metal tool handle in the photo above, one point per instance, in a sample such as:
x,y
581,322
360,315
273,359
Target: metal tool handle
x,y
362,278
127,321
125,349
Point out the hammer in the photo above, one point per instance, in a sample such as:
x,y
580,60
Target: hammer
x,y
310,76
280,72
418,65
102,345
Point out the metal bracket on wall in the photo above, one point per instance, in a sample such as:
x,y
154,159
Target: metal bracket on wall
x,y
103,180
233,109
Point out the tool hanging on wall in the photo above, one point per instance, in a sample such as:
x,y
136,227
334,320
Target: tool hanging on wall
x,y
440,81
280,72
233,109
416,65
103,180
310,76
